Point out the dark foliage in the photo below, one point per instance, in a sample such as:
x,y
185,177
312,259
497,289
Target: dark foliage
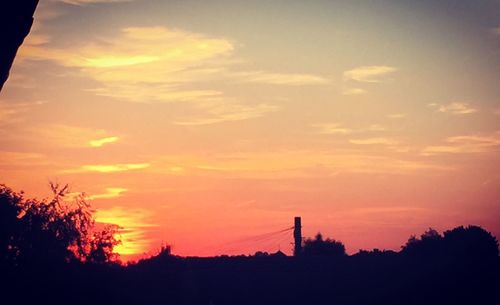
x,y
43,244
462,242
318,246
40,231
471,241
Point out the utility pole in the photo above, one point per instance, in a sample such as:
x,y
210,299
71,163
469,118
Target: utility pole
x,y
297,235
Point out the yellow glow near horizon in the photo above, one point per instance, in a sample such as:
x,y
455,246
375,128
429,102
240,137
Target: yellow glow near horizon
x,y
133,227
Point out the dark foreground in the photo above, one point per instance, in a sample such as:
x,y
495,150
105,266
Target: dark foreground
x,y
52,253
365,278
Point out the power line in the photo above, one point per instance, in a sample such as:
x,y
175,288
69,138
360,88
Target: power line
x,y
260,239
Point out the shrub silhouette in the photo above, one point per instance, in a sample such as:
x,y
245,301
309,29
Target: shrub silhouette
x,y
318,246
429,243
460,242
471,241
55,231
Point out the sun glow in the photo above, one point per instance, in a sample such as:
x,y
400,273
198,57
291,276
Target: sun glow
x,y
133,228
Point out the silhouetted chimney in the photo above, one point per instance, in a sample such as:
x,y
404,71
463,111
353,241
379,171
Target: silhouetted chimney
x,y
297,235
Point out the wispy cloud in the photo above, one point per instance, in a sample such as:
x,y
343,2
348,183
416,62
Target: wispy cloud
x,y
456,108
218,112
496,31
388,209
158,64
110,192
86,2
332,128
14,159
10,111
142,64
374,141
396,115
281,78
354,91
73,136
337,128
465,144
293,164
369,74
108,168
376,127
102,141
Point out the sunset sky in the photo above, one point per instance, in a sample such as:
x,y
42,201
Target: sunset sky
x,y
201,123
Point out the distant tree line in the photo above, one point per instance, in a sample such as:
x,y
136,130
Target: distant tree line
x,y
471,241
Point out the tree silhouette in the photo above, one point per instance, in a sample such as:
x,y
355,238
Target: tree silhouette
x,y
471,241
10,208
429,243
460,242
51,231
318,246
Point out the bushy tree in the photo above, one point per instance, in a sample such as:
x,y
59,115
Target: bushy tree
x,y
429,243
460,242
318,246
471,241
34,230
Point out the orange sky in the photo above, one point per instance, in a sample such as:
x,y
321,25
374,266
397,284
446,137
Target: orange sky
x,y
199,125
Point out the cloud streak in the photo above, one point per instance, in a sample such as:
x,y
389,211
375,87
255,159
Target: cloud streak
x,y
369,74
374,141
397,115
142,64
455,108
110,192
219,112
103,141
108,168
87,2
263,77
465,145
158,64
332,128
73,136
354,91
337,128
14,159
293,164
11,112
